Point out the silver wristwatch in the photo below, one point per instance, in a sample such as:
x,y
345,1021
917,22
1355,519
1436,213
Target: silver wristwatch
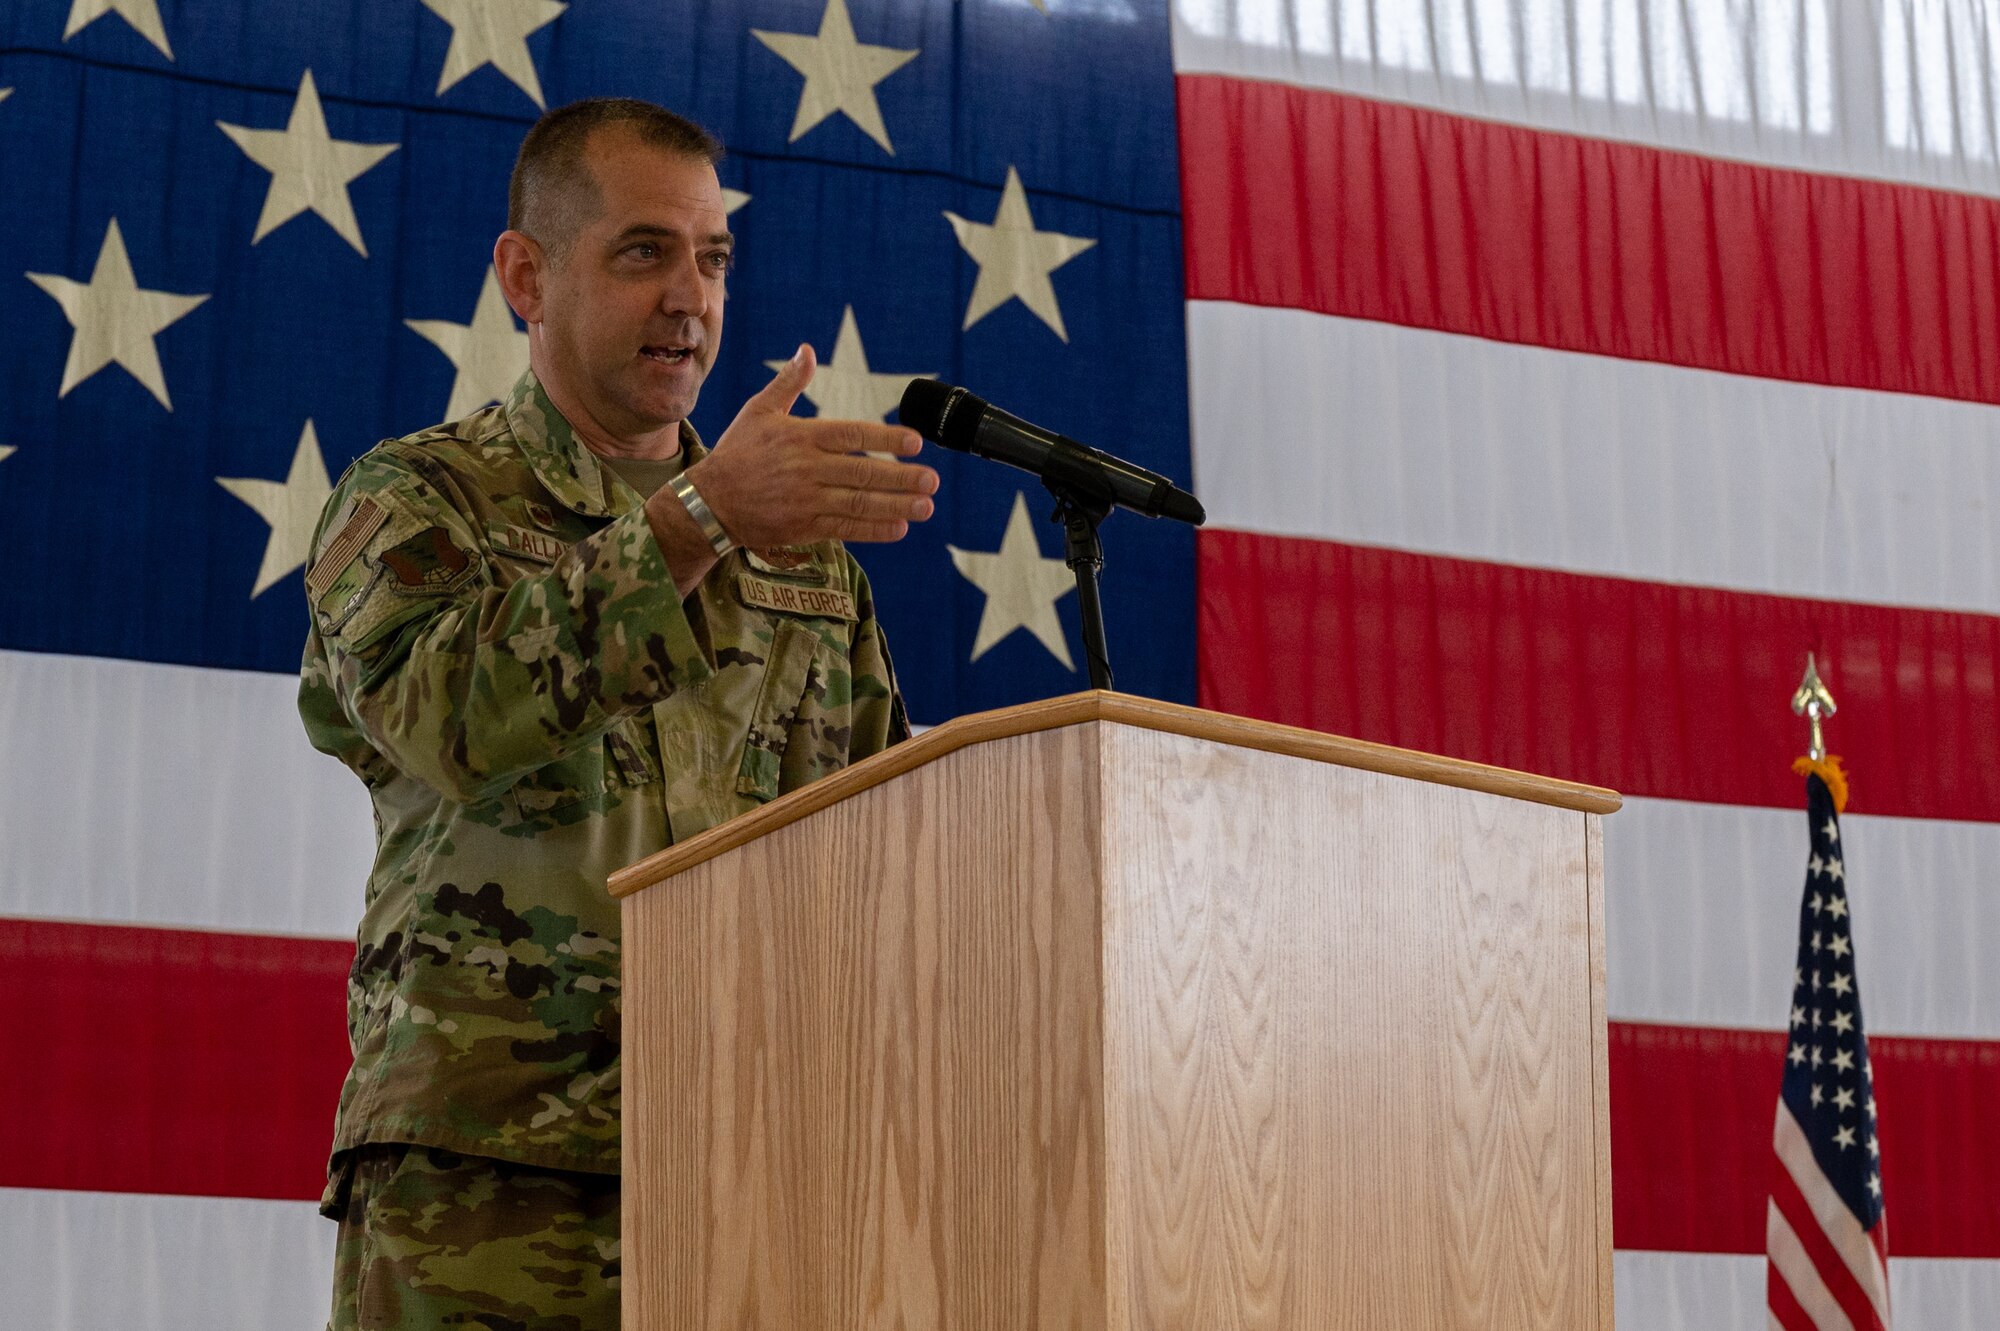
x,y
703,515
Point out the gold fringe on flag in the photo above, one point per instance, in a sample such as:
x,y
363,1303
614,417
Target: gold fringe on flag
x,y
1829,770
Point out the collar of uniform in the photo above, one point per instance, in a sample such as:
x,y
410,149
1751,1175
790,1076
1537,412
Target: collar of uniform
x,y
570,471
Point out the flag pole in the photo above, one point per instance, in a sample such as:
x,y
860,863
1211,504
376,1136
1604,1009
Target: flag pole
x,y
1814,701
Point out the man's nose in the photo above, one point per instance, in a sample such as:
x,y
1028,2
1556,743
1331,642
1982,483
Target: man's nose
x,y
685,294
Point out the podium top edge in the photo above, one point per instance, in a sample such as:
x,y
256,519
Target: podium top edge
x,y
1097,705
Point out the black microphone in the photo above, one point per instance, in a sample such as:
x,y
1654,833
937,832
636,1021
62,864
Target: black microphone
x,y
948,415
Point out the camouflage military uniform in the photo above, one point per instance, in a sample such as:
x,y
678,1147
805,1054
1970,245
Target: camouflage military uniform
x,y
428,1238
498,650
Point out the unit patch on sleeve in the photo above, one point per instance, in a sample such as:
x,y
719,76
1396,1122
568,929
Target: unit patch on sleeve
x,y
426,563
363,522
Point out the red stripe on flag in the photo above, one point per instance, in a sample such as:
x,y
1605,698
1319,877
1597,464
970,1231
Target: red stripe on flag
x,y
1649,688
1321,201
158,1060
1826,1259
173,1061
1691,1163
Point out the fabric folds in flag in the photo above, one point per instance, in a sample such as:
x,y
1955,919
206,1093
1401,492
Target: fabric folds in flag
x,y
1562,372
250,240
1826,1225
1555,374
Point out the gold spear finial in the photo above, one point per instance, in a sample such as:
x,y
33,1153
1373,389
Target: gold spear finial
x,y
1815,701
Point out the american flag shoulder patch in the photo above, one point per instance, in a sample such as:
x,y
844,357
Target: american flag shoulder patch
x,y
365,520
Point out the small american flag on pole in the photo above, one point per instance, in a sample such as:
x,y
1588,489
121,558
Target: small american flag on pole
x,y
1826,1234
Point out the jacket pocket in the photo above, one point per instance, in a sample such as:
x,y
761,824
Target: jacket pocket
x,y
777,707
587,782
566,790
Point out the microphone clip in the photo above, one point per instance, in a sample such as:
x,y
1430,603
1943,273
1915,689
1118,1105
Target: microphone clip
x,y
1080,505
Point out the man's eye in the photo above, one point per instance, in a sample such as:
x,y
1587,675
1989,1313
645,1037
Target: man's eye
x,y
644,250
720,261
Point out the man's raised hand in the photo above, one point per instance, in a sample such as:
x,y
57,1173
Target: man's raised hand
x,y
776,479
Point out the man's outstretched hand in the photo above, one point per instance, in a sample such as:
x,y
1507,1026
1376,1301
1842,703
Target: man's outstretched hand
x,y
775,479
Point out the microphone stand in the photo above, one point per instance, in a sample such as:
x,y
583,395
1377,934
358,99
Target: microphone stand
x,y
1079,508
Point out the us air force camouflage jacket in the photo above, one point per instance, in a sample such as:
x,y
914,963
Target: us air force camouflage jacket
x,y
498,651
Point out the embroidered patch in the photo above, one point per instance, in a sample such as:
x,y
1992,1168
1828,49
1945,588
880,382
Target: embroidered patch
x,y
427,562
335,618
792,600
366,519
542,513
526,544
795,561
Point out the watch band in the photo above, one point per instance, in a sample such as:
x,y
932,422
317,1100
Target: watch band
x,y
703,515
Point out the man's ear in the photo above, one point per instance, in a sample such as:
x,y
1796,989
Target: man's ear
x,y
520,263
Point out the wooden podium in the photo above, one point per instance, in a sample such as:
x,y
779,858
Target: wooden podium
x,y
1106,1013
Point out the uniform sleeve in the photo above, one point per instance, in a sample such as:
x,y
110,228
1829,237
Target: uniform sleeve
x,y
879,718
416,655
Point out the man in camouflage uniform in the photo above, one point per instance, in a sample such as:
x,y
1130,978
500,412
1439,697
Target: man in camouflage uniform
x,y
545,664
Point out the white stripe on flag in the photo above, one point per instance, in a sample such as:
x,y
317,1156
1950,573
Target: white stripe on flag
x,y
84,1261
1795,1267
1892,90
1699,1291
276,839
1679,1291
1701,928
151,794
1349,430
1842,1230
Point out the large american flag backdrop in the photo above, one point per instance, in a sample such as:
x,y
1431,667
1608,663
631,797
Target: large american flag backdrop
x,y
1557,373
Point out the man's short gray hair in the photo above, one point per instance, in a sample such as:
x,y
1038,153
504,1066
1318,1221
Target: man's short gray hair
x,y
552,196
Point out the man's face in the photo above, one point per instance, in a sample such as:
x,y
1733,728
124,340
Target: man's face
x,y
632,315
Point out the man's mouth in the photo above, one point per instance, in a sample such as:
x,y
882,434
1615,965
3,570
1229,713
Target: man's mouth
x,y
667,354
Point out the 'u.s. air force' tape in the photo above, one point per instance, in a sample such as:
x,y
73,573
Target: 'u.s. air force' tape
x,y
791,600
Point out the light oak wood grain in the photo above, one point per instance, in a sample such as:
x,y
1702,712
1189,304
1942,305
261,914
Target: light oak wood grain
x,y
893,1011
1108,1026
1082,708
1593,833
1348,1078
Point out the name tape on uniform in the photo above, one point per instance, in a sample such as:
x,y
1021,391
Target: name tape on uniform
x,y
526,544
792,600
